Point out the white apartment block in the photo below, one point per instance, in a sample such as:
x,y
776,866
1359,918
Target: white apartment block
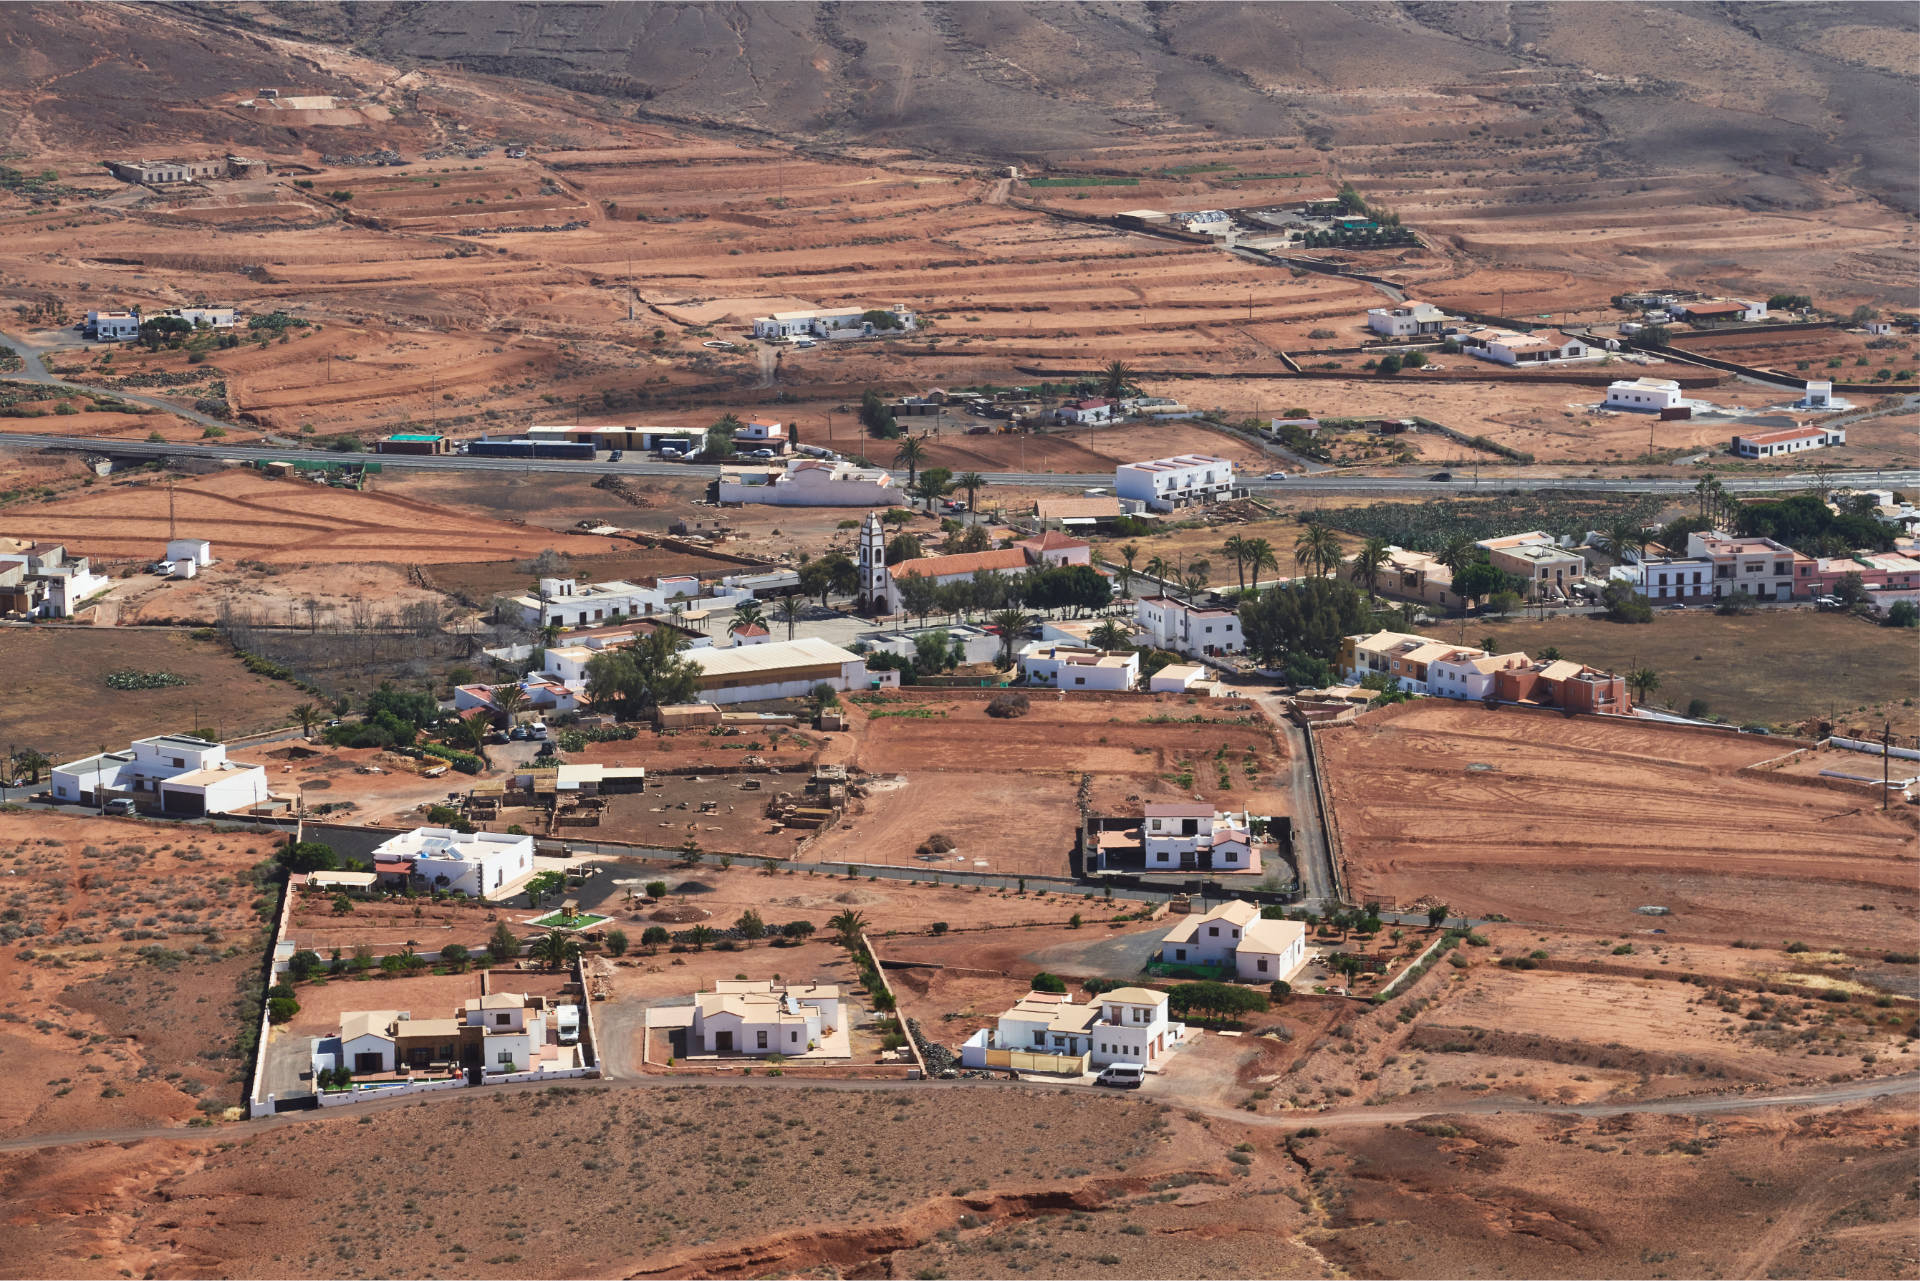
x,y
811,482
1185,628
1469,673
1765,569
181,775
1184,480
1670,578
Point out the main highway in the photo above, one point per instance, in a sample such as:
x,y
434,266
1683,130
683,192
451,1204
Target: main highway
x,y
1464,484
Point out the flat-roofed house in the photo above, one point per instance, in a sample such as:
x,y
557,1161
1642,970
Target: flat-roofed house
x,y
760,1018
1765,569
1064,667
1193,836
477,864
1186,628
1403,657
1183,480
177,773
1648,394
1406,320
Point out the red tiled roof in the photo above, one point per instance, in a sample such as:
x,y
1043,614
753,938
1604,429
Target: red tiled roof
x,y
1053,541
965,563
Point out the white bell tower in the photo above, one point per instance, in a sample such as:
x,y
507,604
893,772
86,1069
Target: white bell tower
x,y
873,563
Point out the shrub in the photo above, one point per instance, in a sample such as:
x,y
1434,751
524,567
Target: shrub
x,y
281,1009
617,942
1008,706
1045,982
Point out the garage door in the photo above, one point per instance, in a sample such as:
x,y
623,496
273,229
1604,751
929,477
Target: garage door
x,y
191,804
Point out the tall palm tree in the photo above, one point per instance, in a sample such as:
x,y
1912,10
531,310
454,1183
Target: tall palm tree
x,y
1013,624
910,454
1624,535
1457,552
789,612
1236,547
847,928
306,714
550,634
1115,379
511,699
1128,551
1317,549
748,613
1260,556
1369,561
973,482
1643,681
474,728
1195,579
1111,635
1162,569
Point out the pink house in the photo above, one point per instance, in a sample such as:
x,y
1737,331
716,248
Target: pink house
x,y
1886,571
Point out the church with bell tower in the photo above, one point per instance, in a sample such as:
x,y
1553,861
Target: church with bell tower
x,y
873,564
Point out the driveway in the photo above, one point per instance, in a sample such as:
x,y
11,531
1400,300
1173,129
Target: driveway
x,y
619,1028
1104,955
289,1066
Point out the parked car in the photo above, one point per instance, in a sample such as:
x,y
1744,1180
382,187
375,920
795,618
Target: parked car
x,y
537,731
518,734
1829,602
979,431
759,453
1122,1076
1276,475
120,805
1441,475
616,455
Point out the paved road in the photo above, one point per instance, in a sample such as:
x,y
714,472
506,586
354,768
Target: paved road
x,y
1318,484
1345,1118
36,372
1312,851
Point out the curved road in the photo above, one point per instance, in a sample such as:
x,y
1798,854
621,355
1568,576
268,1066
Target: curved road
x,y
35,371
1699,1105
1318,484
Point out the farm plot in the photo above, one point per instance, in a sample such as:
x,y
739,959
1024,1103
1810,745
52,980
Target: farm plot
x,y
68,710
1581,821
249,516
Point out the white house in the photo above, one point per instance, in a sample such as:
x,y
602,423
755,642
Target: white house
x,y
47,583
513,1030
1051,547
837,324
1083,412
759,433
1505,347
1818,395
1669,578
113,326
1186,628
197,550
811,482
1185,678
1235,936
1406,320
1180,835
1643,393
758,1018
563,602
1185,480
1125,1025
776,669
1402,657
1059,666
1469,673
1720,309
181,774
1763,568
477,864
1787,440
208,317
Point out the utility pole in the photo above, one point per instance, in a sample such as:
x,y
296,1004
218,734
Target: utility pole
x,y
1886,760
170,530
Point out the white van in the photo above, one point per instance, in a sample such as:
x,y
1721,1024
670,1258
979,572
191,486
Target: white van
x,y
1122,1076
566,1022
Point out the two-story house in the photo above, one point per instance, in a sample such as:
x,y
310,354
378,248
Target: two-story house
x,y
1182,835
1125,1025
1236,937
1186,628
1184,480
177,773
1765,569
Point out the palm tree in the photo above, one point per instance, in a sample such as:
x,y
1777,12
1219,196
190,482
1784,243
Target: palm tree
x,y
911,453
1643,681
306,714
1115,378
1369,561
1111,635
847,928
973,482
1128,551
1457,553
555,950
1624,535
1317,549
1013,624
1160,568
747,613
474,727
550,635
789,611
1260,556
511,699
1236,547
1195,576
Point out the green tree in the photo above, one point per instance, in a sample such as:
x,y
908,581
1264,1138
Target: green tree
x,y
1012,624
1369,562
1115,379
306,856
911,452
701,935
304,964
1317,549
555,950
1642,681
1236,547
1436,913
306,714
1128,552
616,942
542,884
1260,558
632,681
655,937
748,614
751,927
456,956
876,415
1111,635
30,763
973,482
903,546
1045,982
473,729
501,944
847,928
933,485
719,438
511,700
799,930
1624,536
788,611
1902,613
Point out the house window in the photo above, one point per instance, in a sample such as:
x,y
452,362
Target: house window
x,y
501,1020
1263,965
1040,1039
506,1058
1179,953
1213,931
760,1040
